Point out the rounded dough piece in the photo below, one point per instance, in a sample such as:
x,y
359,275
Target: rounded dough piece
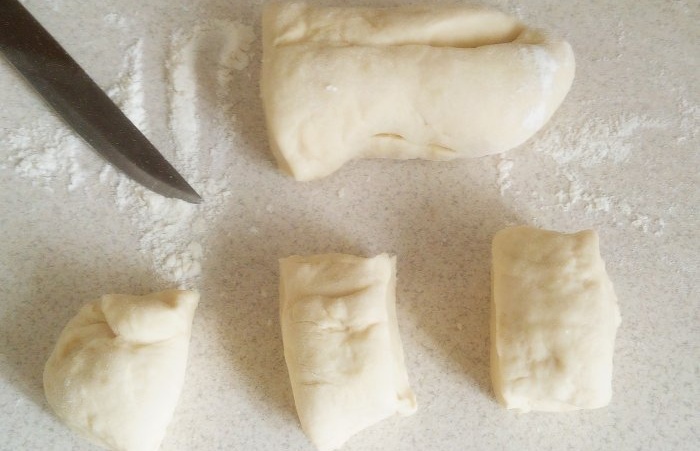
x,y
412,82
118,368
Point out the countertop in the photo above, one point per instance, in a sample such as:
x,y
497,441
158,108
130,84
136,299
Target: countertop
x,y
620,156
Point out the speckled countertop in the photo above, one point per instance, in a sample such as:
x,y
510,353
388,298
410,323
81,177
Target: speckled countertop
x,y
620,155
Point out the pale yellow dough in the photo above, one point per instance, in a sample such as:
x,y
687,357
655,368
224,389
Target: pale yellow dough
x,y
408,82
118,368
342,344
554,318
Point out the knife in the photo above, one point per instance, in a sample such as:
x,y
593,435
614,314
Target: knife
x,y
83,105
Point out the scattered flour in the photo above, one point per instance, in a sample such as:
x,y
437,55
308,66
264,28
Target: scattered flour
x,y
115,20
504,181
182,98
593,141
232,56
171,232
56,5
46,153
690,118
205,56
127,92
588,143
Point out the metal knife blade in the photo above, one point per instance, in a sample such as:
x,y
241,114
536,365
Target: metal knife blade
x,y
83,105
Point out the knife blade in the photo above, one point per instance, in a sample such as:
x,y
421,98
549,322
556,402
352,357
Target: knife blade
x,y
80,102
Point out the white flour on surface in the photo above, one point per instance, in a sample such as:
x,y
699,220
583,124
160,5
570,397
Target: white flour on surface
x,y
115,20
171,231
200,70
182,98
591,142
690,118
504,181
127,91
46,153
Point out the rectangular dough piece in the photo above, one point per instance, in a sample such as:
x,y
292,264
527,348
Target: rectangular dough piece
x,y
554,316
342,344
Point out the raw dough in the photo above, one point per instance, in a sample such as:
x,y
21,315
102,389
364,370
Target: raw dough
x,y
342,344
410,82
118,368
553,321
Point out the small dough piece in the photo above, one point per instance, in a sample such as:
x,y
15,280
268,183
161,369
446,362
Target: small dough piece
x,y
342,344
118,368
407,82
554,317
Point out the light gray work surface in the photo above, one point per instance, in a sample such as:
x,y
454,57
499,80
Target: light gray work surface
x,y
620,155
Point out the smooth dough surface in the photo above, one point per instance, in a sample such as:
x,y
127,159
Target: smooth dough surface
x,y
554,317
342,344
407,82
118,368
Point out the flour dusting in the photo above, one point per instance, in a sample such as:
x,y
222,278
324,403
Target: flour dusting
x,y
689,119
504,181
594,140
115,20
171,232
46,153
201,67
127,92
576,148
182,97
